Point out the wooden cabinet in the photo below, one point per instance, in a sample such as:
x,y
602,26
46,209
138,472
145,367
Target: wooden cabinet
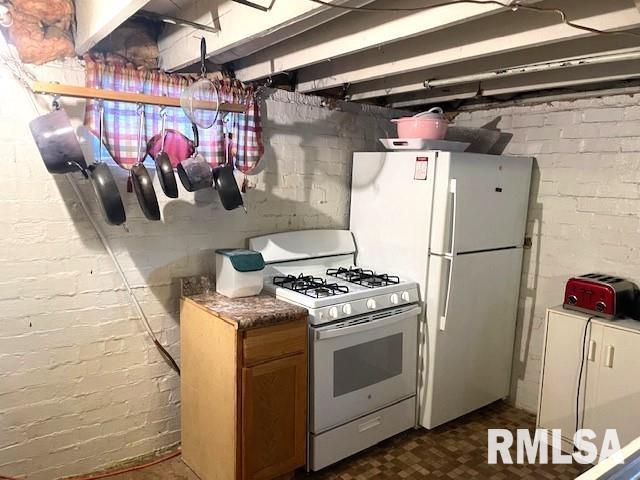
x,y
609,392
244,396
274,417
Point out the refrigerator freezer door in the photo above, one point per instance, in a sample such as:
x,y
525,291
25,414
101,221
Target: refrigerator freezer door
x,y
471,319
391,211
480,202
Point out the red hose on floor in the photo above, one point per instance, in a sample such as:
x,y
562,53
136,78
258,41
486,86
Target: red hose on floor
x,y
112,473
130,469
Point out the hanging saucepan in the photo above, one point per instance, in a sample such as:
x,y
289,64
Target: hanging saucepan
x,y
225,180
200,100
105,186
57,142
163,165
141,180
195,172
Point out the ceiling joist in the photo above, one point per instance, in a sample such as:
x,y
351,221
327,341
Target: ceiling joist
x,y
354,33
241,29
502,33
554,79
98,18
414,81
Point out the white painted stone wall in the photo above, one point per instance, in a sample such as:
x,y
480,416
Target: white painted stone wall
x,y
81,385
584,211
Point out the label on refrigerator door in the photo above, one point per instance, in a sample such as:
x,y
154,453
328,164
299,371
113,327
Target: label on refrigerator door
x,y
421,168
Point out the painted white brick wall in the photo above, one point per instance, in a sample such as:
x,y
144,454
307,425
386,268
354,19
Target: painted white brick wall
x,y
82,387
584,211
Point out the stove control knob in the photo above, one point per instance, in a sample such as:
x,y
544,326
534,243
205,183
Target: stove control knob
x,y
395,299
346,309
371,304
406,297
333,312
601,306
573,299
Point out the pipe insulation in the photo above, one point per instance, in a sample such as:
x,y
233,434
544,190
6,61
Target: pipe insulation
x,y
609,57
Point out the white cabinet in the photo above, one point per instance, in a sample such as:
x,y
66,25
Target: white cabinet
x,y
610,389
615,400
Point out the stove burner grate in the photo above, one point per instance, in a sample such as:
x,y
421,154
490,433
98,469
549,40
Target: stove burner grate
x,y
366,278
309,285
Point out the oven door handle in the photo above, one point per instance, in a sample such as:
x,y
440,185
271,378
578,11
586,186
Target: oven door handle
x,y
363,327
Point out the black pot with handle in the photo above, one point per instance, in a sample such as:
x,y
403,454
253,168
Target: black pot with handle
x,y
195,172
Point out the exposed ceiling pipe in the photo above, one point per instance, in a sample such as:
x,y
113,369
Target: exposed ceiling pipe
x,y
174,21
262,8
618,56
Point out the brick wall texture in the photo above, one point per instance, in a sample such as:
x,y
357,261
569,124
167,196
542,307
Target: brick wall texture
x,y
584,206
81,385
84,388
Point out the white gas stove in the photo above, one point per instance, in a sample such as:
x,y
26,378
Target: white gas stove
x,y
340,291
363,338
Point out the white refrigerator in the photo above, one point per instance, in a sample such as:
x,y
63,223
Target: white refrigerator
x,y
455,223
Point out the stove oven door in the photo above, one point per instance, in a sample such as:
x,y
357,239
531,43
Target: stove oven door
x,y
362,364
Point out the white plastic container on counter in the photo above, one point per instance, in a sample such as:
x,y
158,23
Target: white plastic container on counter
x,y
238,272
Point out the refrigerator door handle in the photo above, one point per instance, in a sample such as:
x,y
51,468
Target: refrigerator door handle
x,y
454,195
445,303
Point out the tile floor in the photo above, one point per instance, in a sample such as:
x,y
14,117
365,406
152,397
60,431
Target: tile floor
x,y
457,450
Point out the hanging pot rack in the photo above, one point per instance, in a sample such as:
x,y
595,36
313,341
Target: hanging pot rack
x,y
74,91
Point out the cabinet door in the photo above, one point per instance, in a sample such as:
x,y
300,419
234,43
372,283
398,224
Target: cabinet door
x,y
561,368
274,417
614,401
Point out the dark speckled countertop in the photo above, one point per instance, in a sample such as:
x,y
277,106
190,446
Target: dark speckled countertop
x,y
249,312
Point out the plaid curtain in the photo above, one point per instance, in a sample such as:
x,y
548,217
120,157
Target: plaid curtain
x,y
122,121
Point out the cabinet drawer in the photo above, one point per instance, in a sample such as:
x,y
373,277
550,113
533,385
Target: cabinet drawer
x,y
264,344
328,447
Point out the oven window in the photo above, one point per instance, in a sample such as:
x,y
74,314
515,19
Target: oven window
x,y
366,364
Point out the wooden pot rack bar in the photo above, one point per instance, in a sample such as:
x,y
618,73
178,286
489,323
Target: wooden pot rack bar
x,y
75,91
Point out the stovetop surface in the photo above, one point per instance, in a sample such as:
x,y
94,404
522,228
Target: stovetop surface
x,y
321,286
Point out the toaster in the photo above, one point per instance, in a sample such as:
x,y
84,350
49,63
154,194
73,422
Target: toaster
x,y
602,295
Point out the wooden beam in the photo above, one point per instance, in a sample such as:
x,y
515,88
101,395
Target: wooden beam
x,y
98,18
76,91
497,34
242,29
414,81
354,33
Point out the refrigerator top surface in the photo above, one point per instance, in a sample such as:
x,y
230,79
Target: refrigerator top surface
x,y
465,202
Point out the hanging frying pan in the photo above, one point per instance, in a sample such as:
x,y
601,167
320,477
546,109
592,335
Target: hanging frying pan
x,y
57,142
141,180
104,184
225,180
164,168
107,192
